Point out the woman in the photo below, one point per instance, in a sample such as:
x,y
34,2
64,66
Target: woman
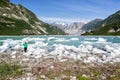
x,y
25,46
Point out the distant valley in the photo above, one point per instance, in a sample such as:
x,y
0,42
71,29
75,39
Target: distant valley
x,y
108,26
78,28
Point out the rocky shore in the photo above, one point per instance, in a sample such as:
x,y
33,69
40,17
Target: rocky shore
x,y
59,67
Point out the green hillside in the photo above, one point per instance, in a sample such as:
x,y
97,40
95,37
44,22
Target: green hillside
x,y
109,26
18,20
14,26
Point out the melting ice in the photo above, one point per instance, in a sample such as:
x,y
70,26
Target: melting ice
x,y
85,48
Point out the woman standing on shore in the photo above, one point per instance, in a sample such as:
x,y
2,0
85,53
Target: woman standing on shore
x,y
25,46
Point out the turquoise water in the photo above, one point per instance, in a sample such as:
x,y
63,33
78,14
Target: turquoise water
x,y
64,39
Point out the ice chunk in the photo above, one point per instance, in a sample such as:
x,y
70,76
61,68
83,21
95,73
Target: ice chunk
x,y
73,56
91,39
72,77
4,47
101,40
104,57
116,60
74,39
98,51
91,59
17,47
89,47
108,48
61,40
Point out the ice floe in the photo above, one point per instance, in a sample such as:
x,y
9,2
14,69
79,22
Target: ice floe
x,y
92,49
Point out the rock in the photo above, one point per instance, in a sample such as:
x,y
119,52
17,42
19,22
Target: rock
x,y
36,70
84,75
42,76
72,77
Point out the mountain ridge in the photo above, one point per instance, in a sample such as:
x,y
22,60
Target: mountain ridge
x,y
78,28
18,20
109,26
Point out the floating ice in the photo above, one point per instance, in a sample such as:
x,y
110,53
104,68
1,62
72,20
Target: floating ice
x,y
61,40
36,39
4,47
101,40
91,39
98,51
17,47
40,44
74,39
77,48
104,57
50,38
87,42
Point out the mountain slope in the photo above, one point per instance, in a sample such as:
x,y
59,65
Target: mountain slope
x,y
92,25
109,26
78,28
17,20
70,28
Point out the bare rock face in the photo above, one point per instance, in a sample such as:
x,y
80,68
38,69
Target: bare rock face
x,y
74,28
71,28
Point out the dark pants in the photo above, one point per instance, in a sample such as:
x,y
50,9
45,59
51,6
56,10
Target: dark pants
x,y
25,49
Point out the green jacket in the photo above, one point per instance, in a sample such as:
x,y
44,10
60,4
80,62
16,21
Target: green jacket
x,y
25,45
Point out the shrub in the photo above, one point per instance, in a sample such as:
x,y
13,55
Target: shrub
x,y
8,70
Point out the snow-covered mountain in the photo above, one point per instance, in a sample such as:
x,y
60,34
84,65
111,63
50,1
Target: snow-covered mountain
x,y
60,25
74,28
77,28
70,28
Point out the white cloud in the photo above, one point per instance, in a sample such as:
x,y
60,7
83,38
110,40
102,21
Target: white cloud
x,y
67,20
81,7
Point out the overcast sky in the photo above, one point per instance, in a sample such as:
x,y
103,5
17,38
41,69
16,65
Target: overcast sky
x,y
70,10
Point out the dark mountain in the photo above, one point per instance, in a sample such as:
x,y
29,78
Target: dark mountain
x,y
17,20
92,25
109,26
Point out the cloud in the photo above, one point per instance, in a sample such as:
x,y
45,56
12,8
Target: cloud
x,y
83,6
67,20
87,8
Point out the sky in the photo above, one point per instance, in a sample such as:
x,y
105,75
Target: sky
x,y
70,10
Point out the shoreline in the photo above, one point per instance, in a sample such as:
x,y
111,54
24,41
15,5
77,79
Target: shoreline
x,y
51,68
65,35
